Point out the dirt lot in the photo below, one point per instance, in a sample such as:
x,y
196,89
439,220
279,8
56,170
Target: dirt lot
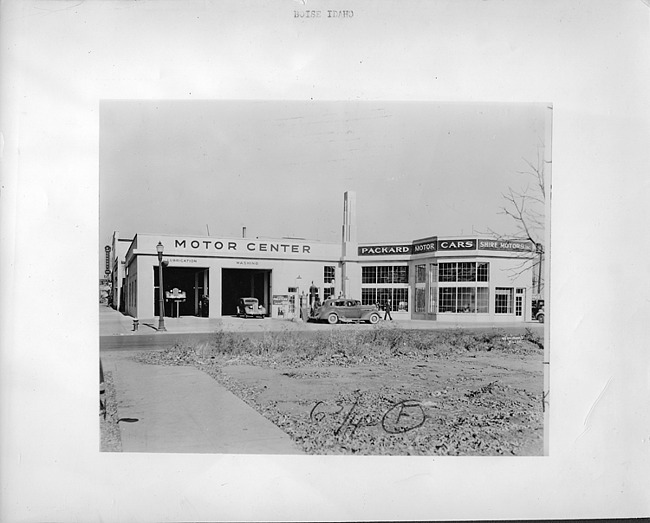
x,y
385,392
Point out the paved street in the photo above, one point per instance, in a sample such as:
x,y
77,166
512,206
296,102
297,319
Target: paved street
x,y
117,331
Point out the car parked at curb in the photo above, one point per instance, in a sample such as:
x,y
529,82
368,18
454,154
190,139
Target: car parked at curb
x,y
250,307
538,310
346,310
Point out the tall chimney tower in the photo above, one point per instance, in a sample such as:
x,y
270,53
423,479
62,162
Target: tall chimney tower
x,y
349,221
350,268
350,217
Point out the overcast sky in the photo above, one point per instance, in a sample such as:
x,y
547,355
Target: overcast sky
x,y
281,168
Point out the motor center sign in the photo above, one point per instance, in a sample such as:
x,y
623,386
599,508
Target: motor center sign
x,y
236,248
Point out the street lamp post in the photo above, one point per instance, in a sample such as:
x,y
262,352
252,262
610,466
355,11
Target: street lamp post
x,y
161,308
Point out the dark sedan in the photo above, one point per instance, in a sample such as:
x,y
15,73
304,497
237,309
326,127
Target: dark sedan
x,y
343,309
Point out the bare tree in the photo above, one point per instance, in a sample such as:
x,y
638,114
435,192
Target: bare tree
x,y
526,207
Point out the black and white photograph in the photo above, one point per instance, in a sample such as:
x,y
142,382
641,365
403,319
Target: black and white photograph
x,y
331,260
337,278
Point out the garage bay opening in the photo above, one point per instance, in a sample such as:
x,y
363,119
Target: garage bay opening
x,y
244,283
192,281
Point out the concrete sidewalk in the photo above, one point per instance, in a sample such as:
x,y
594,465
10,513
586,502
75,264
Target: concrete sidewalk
x,y
182,409
114,323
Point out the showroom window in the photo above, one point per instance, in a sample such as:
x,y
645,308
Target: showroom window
x,y
467,271
401,299
482,300
400,274
368,296
463,299
503,300
383,282
385,274
482,272
463,272
466,299
398,297
447,299
447,272
368,274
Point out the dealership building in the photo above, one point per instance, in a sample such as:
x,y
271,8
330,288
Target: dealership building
x,y
459,279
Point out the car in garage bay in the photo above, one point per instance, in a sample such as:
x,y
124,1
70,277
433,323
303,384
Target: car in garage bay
x,y
250,307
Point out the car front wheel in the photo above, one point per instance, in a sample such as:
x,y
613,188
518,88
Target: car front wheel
x,y
374,318
332,319
540,317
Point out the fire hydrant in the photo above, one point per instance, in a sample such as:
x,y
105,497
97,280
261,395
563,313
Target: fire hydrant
x,y
136,324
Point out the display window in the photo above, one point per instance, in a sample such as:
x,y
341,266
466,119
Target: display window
x,y
447,299
447,272
369,275
381,283
385,274
503,300
482,300
463,300
464,272
379,296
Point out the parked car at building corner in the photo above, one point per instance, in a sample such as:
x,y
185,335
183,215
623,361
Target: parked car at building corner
x,y
344,309
538,310
250,307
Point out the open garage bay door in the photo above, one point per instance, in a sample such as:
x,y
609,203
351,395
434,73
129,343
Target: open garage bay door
x,y
192,281
244,283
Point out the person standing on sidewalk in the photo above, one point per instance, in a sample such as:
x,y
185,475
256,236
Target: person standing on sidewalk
x,y
388,309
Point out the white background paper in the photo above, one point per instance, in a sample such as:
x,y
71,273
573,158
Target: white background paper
x,y
59,59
